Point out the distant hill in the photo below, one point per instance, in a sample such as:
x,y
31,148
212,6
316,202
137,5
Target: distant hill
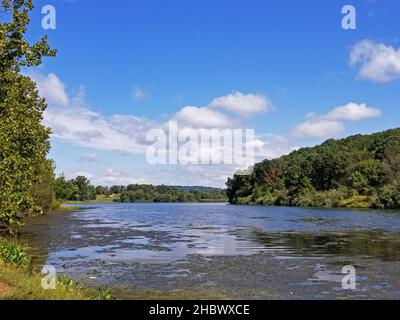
x,y
361,171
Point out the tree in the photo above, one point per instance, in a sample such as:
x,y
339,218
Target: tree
x,y
102,190
65,190
86,190
24,141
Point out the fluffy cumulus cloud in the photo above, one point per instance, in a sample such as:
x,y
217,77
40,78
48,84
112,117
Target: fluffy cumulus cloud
x,y
376,61
52,88
243,104
353,112
202,117
115,177
72,121
333,123
318,128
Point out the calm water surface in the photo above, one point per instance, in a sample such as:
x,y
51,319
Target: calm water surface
x,y
245,252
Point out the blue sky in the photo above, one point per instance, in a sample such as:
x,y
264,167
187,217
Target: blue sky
x,y
145,61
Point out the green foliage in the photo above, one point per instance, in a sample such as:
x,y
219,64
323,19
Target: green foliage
x,y
359,182
356,201
105,295
359,171
12,253
389,196
117,189
86,190
100,190
65,190
149,193
78,189
24,141
43,188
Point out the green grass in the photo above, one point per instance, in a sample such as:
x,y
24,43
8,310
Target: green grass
x,y
18,283
356,202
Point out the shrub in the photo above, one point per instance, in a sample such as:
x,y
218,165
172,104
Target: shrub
x,y
356,202
12,253
389,196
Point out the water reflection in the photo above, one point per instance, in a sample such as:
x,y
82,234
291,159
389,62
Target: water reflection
x,y
140,233
367,244
233,247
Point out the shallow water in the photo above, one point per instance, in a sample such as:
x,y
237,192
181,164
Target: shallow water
x,y
246,252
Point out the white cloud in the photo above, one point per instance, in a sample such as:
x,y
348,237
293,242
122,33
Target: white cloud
x,y
73,174
52,88
273,147
206,118
377,61
243,104
318,128
115,177
332,124
353,112
72,121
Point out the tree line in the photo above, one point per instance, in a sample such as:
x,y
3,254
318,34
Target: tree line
x,y
148,193
359,171
80,189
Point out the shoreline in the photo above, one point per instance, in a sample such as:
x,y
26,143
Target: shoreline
x,y
24,281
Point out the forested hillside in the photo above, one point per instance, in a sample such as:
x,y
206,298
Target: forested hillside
x,y
359,171
149,193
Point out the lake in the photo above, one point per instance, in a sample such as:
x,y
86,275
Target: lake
x,y
241,251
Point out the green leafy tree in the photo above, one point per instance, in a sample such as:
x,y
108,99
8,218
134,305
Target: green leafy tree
x,y
359,182
102,190
65,190
86,190
24,141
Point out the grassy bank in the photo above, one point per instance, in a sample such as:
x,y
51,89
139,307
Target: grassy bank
x,y
18,283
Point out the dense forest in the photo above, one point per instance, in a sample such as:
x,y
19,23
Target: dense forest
x,y
149,193
360,171
80,189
